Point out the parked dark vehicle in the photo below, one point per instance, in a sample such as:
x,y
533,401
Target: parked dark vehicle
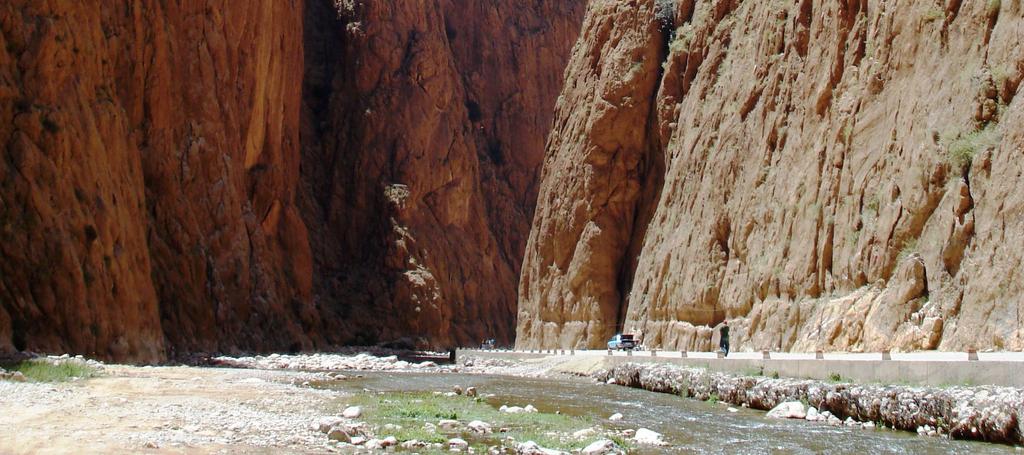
x,y
623,342
488,345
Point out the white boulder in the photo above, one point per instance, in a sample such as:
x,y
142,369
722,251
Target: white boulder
x,y
788,410
477,426
603,447
457,444
648,437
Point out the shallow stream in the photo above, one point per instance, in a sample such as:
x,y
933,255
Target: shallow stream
x,y
689,426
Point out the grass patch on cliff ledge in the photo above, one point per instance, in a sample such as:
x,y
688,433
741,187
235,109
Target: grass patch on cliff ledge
x,y
39,370
412,411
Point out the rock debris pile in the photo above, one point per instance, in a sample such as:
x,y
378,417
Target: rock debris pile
x,y
985,413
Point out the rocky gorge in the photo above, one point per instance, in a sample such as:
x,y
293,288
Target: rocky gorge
x,y
217,176
211,176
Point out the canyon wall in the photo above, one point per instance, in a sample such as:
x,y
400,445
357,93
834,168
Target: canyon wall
x,y
148,196
424,130
836,175
211,175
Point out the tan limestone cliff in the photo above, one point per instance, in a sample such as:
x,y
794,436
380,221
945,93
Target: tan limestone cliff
x,y
823,175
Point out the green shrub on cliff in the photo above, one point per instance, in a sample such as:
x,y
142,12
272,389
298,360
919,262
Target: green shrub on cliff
x,y
962,148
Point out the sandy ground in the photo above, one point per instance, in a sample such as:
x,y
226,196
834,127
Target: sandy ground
x,y
166,410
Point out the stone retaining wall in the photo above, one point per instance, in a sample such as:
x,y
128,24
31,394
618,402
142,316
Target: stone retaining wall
x,y
986,413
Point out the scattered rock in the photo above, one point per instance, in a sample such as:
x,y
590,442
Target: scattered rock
x,y
584,433
603,447
471,392
448,424
414,444
457,389
732,409
457,444
615,417
812,414
530,409
532,448
352,412
326,423
477,426
648,437
788,410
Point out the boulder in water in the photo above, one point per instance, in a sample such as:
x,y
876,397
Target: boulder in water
x,y
788,410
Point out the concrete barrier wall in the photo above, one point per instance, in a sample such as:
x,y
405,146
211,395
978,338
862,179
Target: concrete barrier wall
x,y
921,372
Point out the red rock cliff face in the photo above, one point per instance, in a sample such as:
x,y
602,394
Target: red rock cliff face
x,y
424,132
148,192
168,187
823,175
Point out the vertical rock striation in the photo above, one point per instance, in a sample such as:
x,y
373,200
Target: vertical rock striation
x,y
424,131
211,175
152,159
824,175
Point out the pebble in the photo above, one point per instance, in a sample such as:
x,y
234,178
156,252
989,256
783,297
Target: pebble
x,y
352,412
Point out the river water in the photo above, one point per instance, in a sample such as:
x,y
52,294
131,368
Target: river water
x,y
689,426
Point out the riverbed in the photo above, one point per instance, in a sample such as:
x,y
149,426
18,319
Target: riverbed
x,y
688,425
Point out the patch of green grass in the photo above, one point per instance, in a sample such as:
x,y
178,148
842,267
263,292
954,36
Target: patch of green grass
x,y
412,411
909,247
759,371
682,39
713,399
47,371
835,377
962,148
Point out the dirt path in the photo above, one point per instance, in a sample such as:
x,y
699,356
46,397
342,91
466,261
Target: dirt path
x,y
166,410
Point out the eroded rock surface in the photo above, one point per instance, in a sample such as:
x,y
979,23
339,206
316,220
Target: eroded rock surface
x,y
824,175
232,176
425,130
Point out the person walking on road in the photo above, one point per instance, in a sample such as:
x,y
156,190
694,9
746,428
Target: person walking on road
x,y
723,341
